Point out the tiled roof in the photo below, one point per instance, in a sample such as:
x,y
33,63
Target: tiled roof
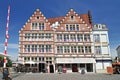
x,y
83,16
52,20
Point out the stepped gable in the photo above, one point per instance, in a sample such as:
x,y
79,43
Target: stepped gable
x,y
37,17
82,19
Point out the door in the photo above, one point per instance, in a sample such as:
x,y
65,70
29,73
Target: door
x,y
42,67
74,68
51,69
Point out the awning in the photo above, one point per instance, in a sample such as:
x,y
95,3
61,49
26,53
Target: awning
x,y
2,54
30,62
75,60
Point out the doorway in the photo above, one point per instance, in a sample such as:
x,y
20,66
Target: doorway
x,y
74,68
42,67
51,69
89,67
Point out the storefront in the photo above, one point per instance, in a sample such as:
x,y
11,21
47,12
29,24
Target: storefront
x,y
76,64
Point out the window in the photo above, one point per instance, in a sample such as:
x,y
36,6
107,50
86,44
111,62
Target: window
x,y
32,58
35,48
80,37
67,28
25,58
71,17
66,49
74,37
28,58
87,49
47,48
35,26
103,38
25,48
27,36
42,35
75,50
59,49
59,37
65,37
42,48
97,50
35,35
77,27
41,26
73,27
80,49
72,50
105,50
28,48
87,37
49,35
96,37
38,17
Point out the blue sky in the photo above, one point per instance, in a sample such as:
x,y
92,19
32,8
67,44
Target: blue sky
x,y
103,11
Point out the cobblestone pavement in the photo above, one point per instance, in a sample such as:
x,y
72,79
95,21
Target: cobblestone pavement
x,y
67,76
13,75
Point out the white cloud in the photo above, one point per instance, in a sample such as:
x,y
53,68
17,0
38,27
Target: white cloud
x,y
13,46
10,46
113,52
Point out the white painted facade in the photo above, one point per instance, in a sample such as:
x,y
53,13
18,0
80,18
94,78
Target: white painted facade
x,y
118,51
101,43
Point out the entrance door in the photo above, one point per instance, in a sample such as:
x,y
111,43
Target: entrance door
x,y
51,69
74,68
90,67
41,67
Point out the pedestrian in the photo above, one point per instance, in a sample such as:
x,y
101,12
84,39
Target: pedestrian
x,y
6,74
60,69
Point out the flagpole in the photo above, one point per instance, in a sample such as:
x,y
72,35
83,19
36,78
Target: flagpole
x,y
6,37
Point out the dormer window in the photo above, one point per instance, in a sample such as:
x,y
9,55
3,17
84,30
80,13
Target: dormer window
x,y
71,17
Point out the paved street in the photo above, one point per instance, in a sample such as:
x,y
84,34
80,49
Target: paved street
x,y
67,76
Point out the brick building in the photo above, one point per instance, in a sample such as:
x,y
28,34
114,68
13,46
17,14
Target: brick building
x,y
70,41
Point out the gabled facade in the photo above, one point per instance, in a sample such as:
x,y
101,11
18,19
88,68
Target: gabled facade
x,y
68,41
